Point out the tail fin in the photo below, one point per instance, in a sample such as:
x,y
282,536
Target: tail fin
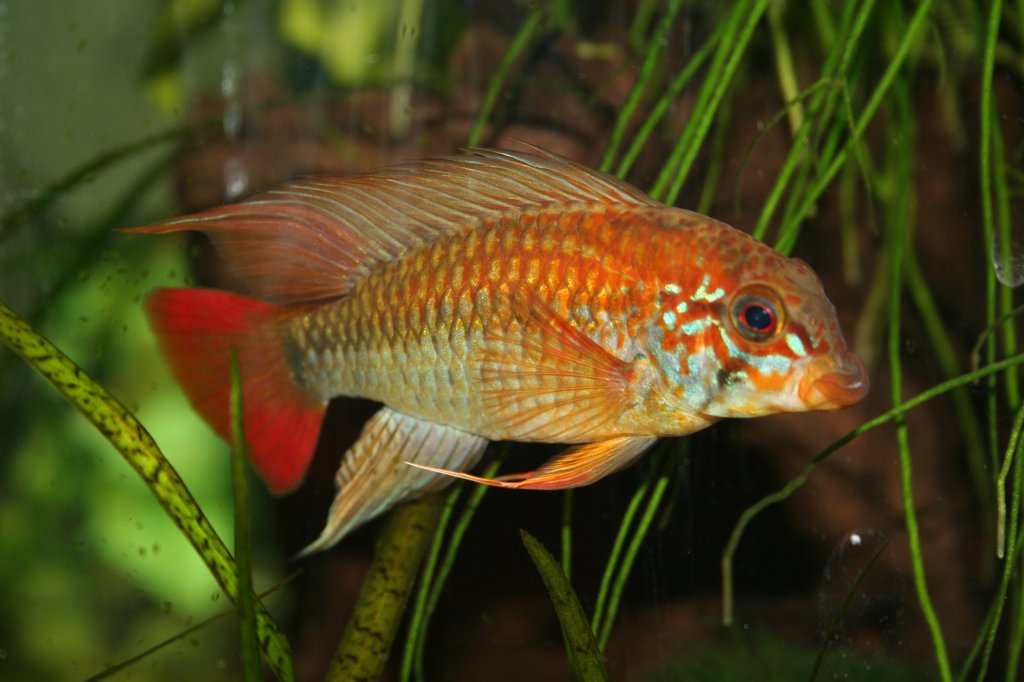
x,y
198,329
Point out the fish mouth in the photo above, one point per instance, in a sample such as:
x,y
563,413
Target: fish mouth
x,y
834,382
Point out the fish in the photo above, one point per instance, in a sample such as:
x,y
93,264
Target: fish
x,y
496,295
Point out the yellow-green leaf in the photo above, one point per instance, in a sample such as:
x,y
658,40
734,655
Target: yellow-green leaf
x,y
139,449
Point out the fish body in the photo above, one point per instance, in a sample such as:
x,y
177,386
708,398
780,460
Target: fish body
x,y
502,296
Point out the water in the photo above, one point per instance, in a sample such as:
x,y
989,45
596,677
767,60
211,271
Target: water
x,y
1009,265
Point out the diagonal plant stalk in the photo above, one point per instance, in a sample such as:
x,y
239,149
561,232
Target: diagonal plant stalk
x,y
403,542
1012,457
751,512
819,108
520,41
785,71
743,19
626,567
897,241
566,532
789,231
661,107
135,444
248,638
190,630
435,574
584,653
641,85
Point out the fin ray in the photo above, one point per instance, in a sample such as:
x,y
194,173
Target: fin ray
x,y
374,474
198,329
579,466
311,239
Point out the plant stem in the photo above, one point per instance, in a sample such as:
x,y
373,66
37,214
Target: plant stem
x,y
243,538
119,426
751,512
364,647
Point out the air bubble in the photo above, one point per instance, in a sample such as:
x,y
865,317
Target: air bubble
x,y
1009,267
860,599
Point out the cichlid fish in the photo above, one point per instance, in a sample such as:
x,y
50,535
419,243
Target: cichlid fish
x,y
496,296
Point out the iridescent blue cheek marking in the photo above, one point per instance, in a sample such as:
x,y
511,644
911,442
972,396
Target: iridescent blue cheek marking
x,y
796,345
669,318
702,293
696,326
667,361
765,364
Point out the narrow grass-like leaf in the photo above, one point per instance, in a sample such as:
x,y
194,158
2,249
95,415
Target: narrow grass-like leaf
x,y
751,512
192,629
629,538
1004,471
1005,254
89,248
767,128
520,41
988,226
716,162
132,440
819,108
403,542
1012,551
789,230
643,82
26,211
784,69
435,575
625,528
584,653
936,329
1016,639
248,640
661,107
743,18
626,567
566,534
642,18
897,221
419,619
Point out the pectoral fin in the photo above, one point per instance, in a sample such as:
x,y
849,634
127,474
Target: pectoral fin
x,y
543,379
374,474
578,466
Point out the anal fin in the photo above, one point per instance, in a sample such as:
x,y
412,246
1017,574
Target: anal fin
x,y
375,473
578,466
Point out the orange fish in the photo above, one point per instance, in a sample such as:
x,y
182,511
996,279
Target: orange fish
x,y
496,296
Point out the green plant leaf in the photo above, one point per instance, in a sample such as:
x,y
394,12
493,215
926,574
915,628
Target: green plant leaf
x,y
243,539
403,542
131,439
584,653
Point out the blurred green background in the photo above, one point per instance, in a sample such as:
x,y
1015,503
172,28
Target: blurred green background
x,y
122,112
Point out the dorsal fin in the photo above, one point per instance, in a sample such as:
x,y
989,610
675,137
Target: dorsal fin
x,y
311,239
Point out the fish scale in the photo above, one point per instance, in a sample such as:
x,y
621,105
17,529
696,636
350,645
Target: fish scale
x,y
401,336
499,295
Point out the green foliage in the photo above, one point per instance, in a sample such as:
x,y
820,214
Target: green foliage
x,y
761,655
580,643
131,439
873,55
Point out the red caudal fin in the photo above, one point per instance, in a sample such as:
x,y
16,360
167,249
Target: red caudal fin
x,y
198,329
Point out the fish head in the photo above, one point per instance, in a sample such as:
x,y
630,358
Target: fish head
x,y
754,334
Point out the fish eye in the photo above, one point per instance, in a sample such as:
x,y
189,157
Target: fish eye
x,y
758,313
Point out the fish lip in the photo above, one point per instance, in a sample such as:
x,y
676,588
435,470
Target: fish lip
x,y
835,382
